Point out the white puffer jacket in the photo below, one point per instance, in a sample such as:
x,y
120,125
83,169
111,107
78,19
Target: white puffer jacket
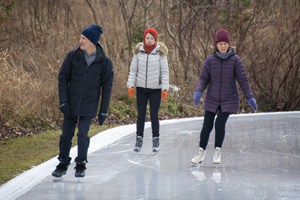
x,y
149,70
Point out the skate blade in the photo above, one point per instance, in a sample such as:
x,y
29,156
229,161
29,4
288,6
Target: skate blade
x,y
195,165
57,179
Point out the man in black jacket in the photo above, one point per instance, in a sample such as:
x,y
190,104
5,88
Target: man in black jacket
x,y
85,74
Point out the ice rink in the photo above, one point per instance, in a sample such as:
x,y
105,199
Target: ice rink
x,y
260,160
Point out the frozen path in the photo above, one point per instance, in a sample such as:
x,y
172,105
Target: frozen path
x,y
260,160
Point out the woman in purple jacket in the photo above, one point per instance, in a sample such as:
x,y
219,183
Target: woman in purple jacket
x,y
222,69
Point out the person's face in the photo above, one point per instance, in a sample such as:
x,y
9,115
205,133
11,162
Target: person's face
x,y
149,39
222,47
86,44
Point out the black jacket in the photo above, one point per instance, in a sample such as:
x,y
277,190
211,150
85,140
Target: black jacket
x,y
80,85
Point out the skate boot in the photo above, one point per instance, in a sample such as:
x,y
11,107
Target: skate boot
x,y
61,169
138,144
80,170
155,143
199,157
217,156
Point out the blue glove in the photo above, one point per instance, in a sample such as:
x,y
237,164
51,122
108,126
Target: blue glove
x,y
252,103
101,118
197,97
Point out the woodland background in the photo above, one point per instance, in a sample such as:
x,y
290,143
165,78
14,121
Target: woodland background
x,y
36,35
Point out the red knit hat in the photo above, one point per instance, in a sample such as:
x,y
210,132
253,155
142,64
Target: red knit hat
x,y
222,36
152,31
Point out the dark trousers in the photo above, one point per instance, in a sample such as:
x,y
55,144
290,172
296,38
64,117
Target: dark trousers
x,y
209,118
143,95
83,140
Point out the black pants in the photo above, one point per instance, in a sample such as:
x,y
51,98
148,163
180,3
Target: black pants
x,y
83,140
209,118
143,95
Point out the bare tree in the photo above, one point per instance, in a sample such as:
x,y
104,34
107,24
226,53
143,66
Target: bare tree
x,y
182,27
128,16
93,11
35,36
146,4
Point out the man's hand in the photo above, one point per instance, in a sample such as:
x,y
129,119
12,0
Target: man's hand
x,y
64,108
101,118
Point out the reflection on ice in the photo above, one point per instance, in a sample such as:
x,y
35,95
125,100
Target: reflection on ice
x,y
260,160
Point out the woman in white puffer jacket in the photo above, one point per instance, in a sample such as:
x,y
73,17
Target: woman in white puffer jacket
x,y
149,73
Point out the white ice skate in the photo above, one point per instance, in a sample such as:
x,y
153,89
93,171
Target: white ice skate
x,y
217,156
199,157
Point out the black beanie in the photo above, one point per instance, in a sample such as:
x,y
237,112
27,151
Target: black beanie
x,y
92,33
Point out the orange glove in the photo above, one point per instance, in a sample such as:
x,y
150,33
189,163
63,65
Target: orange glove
x,y
131,92
164,95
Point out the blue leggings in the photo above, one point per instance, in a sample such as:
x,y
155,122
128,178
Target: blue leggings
x,y
143,95
209,118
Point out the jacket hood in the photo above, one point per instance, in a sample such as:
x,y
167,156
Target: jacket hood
x,y
161,47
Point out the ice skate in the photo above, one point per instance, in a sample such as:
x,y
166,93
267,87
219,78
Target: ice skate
x,y
80,170
155,144
217,156
61,169
138,144
199,157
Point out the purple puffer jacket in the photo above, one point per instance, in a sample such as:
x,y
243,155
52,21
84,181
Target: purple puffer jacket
x,y
221,77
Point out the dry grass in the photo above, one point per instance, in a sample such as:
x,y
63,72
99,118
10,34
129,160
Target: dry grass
x,y
26,101
21,154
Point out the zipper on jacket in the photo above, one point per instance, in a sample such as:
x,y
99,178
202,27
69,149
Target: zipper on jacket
x,y
82,86
146,71
221,82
